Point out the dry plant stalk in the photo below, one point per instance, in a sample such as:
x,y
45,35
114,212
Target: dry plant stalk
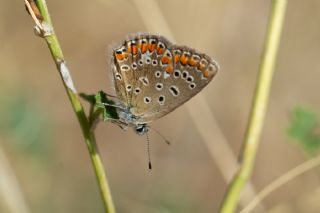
x,y
259,106
44,28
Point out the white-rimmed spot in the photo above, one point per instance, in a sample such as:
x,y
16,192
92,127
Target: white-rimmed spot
x,y
176,73
159,86
213,68
157,74
184,74
134,66
129,87
196,58
137,90
190,79
174,90
148,60
192,86
118,76
161,99
161,47
154,62
140,62
147,100
176,52
144,80
125,67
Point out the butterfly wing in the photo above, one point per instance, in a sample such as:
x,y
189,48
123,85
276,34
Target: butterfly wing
x,y
164,75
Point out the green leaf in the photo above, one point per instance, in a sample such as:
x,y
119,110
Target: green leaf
x,y
103,105
106,105
90,98
303,129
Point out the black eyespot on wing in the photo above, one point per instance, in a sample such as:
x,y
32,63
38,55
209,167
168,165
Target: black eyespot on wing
x,y
189,79
176,73
184,75
174,90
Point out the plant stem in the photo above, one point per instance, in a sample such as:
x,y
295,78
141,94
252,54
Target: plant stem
x,y
88,134
280,181
259,106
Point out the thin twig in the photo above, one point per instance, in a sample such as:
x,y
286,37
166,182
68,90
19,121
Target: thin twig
x,y
33,15
47,32
285,178
259,106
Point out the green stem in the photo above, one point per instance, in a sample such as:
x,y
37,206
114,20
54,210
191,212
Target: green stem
x,y
259,106
89,137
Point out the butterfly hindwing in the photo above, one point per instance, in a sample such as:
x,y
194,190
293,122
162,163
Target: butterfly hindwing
x,y
157,77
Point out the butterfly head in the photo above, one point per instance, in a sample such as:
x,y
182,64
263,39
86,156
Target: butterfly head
x,y
141,129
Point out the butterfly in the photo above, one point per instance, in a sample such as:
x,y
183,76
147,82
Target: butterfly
x,y
152,77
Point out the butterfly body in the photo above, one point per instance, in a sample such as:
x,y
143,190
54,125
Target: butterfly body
x,y
152,77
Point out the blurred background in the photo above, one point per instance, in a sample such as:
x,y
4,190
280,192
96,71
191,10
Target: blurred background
x,y
42,152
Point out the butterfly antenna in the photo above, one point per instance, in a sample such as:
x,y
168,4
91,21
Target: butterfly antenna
x,y
164,138
148,147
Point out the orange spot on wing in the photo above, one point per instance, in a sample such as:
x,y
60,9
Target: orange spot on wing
x,y
134,49
169,69
165,60
120,56
159,50
201,67
206,73
176,58
151,47
192,62
184,59
143,48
